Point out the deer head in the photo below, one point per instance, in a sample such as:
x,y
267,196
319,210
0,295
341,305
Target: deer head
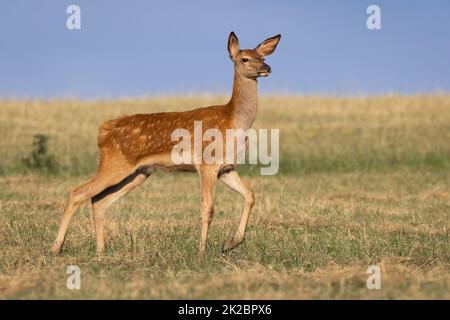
x,y
250,63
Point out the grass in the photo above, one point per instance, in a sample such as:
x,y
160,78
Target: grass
x,y
362,181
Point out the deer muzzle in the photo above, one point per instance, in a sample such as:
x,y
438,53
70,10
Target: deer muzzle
x,y
265,70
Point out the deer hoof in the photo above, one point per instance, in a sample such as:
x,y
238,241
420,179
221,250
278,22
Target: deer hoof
x,y
56,249
231,244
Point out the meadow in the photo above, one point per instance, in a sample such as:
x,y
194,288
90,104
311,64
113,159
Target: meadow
x,y
362,181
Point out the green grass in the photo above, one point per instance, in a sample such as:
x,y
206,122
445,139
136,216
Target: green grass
x,y
362,181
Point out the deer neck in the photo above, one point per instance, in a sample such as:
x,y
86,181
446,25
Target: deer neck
x,y
244,101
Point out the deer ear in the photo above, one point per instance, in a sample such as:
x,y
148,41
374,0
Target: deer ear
x,y
233,45
268,46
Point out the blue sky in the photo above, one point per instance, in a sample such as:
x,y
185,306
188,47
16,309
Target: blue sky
x,y
140,48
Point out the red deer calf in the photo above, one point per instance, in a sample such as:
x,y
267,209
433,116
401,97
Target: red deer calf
x,y
133,147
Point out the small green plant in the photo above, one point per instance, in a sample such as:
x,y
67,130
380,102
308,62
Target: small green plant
x,y
39,159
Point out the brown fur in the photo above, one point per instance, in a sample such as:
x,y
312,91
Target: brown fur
x,y
139,136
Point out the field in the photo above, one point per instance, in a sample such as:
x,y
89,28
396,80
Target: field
x,y
362,181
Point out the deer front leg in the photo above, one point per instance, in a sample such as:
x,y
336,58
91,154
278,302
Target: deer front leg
x,y
232,180
208,179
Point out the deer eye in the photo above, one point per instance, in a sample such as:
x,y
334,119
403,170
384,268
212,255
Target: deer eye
x,y
244,60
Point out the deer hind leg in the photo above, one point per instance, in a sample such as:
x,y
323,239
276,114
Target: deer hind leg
x,y
232,180
102,201
208,179
77,196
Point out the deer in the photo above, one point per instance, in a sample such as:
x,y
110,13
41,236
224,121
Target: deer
x,y
133,147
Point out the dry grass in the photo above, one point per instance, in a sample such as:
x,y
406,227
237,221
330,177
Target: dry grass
x,y
363,181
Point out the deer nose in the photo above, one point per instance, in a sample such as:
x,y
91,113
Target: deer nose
x,y
267,68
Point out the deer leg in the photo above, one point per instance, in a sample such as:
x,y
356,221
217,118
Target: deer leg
x,y
102,201
208,179
232,180
79,195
